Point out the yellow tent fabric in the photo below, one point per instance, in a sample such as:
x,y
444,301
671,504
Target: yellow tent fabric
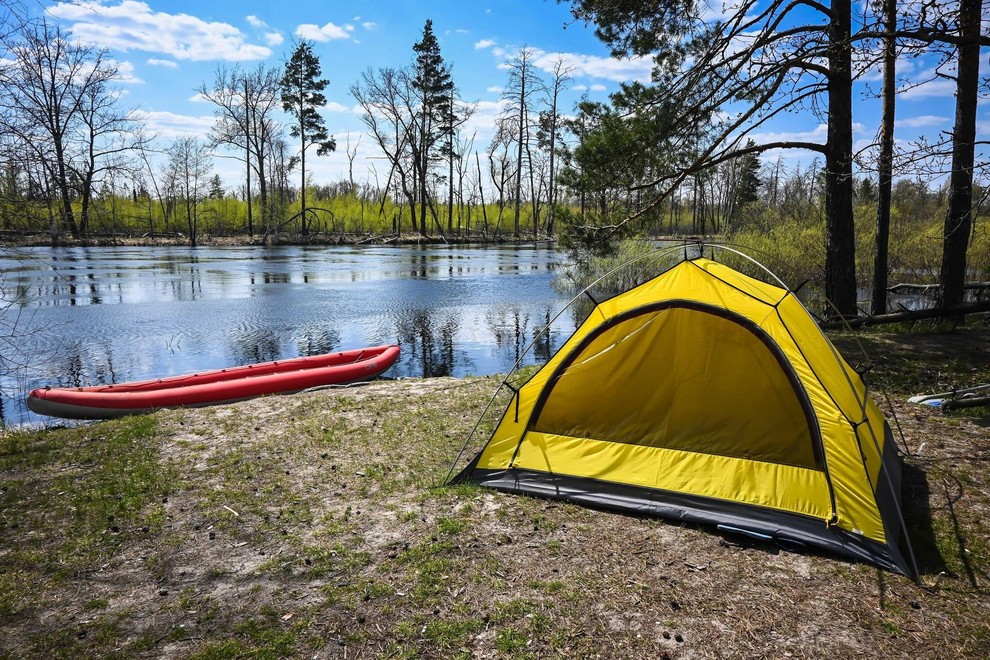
x,y
706,395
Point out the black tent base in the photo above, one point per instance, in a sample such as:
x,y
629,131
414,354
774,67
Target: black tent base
x,y
789,531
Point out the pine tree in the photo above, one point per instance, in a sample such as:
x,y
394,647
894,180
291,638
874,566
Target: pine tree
x,y
748,186
216,187
302,95
435,86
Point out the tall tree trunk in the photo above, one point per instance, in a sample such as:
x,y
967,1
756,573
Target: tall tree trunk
x,y
551,197
886,162
958,217
302,190
85,197
840,239
519,152
247,160
261,140
62,183
481,191
450,167
423,166
450,195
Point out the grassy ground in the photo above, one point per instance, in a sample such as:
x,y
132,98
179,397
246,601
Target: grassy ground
x,y
316,526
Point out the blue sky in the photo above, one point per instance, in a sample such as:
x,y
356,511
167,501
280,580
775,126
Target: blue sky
x,y
166,49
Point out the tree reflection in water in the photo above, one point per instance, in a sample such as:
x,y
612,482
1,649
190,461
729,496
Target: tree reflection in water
x,y
427,340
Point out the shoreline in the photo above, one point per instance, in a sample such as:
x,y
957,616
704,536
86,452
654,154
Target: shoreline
x,y
320,240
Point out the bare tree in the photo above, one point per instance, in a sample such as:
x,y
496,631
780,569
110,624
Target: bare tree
x,y
351,155
246,103
45,90
389,100
516,125
189,166
457,114
548,133
231,94
108,137
500,170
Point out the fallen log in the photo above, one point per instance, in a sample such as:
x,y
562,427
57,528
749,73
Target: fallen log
x,y
951,311
930,288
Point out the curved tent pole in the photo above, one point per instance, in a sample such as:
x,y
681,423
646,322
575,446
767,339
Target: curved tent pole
x,y
876,443
862,402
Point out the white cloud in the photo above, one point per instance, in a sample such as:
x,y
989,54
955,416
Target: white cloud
x,y
483,44
817,135
495,89
935,88
598,88
369,25
133,25
592,66
125,73
254,21
172,125
588,66
333,106
328,32
801,157
170,64
274,38
484,121
869,64
922,121
198,98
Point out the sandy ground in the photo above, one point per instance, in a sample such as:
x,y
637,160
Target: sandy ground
x,y
316,525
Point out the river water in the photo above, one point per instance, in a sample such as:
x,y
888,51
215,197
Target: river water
x,y
81,316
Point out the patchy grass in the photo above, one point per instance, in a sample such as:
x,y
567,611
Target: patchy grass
x,y
318,525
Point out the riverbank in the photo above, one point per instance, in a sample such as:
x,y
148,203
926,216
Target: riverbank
x,y
316,525
12,240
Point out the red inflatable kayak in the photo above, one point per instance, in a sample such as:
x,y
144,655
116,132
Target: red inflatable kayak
x,y
213,387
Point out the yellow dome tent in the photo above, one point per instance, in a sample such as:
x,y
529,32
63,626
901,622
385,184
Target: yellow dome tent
x,y
705,395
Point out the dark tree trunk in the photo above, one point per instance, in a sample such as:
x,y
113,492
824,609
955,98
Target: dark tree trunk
x,y
519,151
302,189
247,162
958,217
885,165
840,239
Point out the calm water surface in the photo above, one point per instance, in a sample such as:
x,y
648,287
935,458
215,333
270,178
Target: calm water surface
x,y
85,316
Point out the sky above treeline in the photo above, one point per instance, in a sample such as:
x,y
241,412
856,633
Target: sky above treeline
x,y
167,49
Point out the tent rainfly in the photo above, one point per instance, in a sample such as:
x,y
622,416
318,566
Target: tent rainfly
x,y
708,396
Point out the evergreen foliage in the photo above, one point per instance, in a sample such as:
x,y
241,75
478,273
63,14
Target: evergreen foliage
x,y
435,118
302,96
